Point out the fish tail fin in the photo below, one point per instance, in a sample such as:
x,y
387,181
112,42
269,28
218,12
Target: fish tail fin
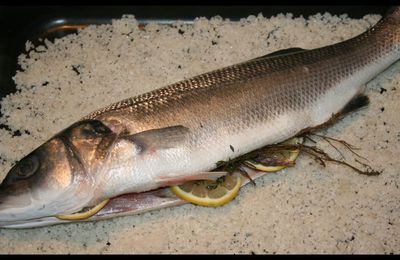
x,y
389,26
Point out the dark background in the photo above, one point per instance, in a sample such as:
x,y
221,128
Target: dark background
x,y
22,23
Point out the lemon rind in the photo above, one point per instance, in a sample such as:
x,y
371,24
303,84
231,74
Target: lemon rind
x,y
83,215
208,202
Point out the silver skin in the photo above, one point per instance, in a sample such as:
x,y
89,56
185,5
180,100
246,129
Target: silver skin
x,y
177,133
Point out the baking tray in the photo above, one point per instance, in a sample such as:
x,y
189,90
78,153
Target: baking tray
x,y
20,24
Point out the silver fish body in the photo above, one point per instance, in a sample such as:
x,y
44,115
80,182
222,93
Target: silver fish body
x,y
174,133
244,107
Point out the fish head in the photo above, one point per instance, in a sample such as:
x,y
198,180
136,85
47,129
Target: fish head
x,y
59,177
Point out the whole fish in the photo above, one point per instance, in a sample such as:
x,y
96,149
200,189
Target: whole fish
x,y
179,132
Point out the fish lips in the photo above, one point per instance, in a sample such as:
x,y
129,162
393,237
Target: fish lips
x,y
15,201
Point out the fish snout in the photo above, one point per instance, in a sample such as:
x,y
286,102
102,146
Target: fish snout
x,y
16,202
14,205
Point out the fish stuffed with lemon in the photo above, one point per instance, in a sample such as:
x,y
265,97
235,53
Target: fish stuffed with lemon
x,y
176,134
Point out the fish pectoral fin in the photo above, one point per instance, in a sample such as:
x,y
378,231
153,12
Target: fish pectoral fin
x,y
180,179
160,138
280,53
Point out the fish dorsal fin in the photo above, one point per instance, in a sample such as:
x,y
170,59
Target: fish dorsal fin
x,y
280,53
160,138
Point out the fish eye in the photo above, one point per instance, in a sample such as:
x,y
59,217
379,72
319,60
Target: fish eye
x,y
28,166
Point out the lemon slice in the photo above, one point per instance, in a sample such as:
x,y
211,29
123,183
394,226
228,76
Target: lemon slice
x,y
287,156
209,193
84,213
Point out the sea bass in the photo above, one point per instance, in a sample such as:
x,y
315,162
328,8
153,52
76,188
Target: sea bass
x,y
178,133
